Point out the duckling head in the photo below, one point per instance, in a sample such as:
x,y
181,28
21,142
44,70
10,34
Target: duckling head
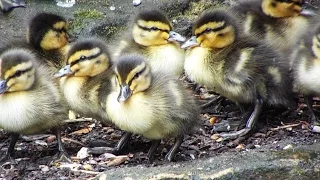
x,y
47,32
17,72
213,29
86,58
132,75
152,28
286,8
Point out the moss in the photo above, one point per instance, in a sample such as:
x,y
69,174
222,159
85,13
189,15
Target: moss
x,y
88,14
196,8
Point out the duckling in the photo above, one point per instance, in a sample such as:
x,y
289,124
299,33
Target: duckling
x,y
244,70
152,36
7,6
154,105
306,68
29,100
47,34
85,80
280,22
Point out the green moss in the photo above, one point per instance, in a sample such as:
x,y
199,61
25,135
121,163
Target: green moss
x,y
88,14
196,8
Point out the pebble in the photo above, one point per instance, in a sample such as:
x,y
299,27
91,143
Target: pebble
x,y
136,2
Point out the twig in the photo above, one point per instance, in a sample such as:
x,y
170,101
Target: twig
x,y
285,126
73,141
85,171
77,120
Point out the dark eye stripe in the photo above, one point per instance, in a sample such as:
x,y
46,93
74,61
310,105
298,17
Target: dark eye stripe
x,y
19,73
290,1
152,29
211,30
85,59
140,72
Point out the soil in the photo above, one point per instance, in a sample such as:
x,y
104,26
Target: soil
x,y
276,130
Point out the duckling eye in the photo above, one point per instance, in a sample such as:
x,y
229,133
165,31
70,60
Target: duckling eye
x,y
207,30
98,62
82,58
154,28
18,73
136,76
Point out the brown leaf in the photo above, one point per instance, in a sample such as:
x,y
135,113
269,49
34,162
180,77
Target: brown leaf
x,y
213,120
81,131
118,160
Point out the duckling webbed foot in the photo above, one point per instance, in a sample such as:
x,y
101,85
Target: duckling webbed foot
x,y
122,142
249,125
212,102
62,155
9,156
313,118
171,154
152,150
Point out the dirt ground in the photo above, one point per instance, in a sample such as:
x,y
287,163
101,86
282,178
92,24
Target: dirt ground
x,y
276,130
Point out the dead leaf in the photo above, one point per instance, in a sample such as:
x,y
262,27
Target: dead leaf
x,y
213,120
82,131
118,160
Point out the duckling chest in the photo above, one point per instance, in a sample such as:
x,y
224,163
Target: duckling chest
x,y
200,68
166,58
19,113
308,76
140,117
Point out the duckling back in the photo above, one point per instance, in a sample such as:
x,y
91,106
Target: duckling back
x,y
280,23
30,102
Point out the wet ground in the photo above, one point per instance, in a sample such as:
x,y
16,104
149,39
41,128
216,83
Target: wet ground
x,y
282,147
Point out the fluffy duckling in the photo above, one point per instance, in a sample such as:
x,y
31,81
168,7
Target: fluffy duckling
x,y
85,80
29,100
7,6
47,34
152,36
306,68
244,70
153,105
280,22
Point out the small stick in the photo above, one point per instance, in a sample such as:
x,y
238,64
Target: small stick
x,y
77,120
73,141
285,126
85,171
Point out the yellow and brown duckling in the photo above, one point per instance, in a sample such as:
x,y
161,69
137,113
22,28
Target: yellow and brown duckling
x,y
280,22
7,6
151,35
153,105
306,68
29,100
47,34
85,80
243,70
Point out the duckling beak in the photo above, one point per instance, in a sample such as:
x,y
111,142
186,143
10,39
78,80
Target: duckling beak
x,y
174,36
125,93
192,42
3,86
64,72
308,10
7,5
